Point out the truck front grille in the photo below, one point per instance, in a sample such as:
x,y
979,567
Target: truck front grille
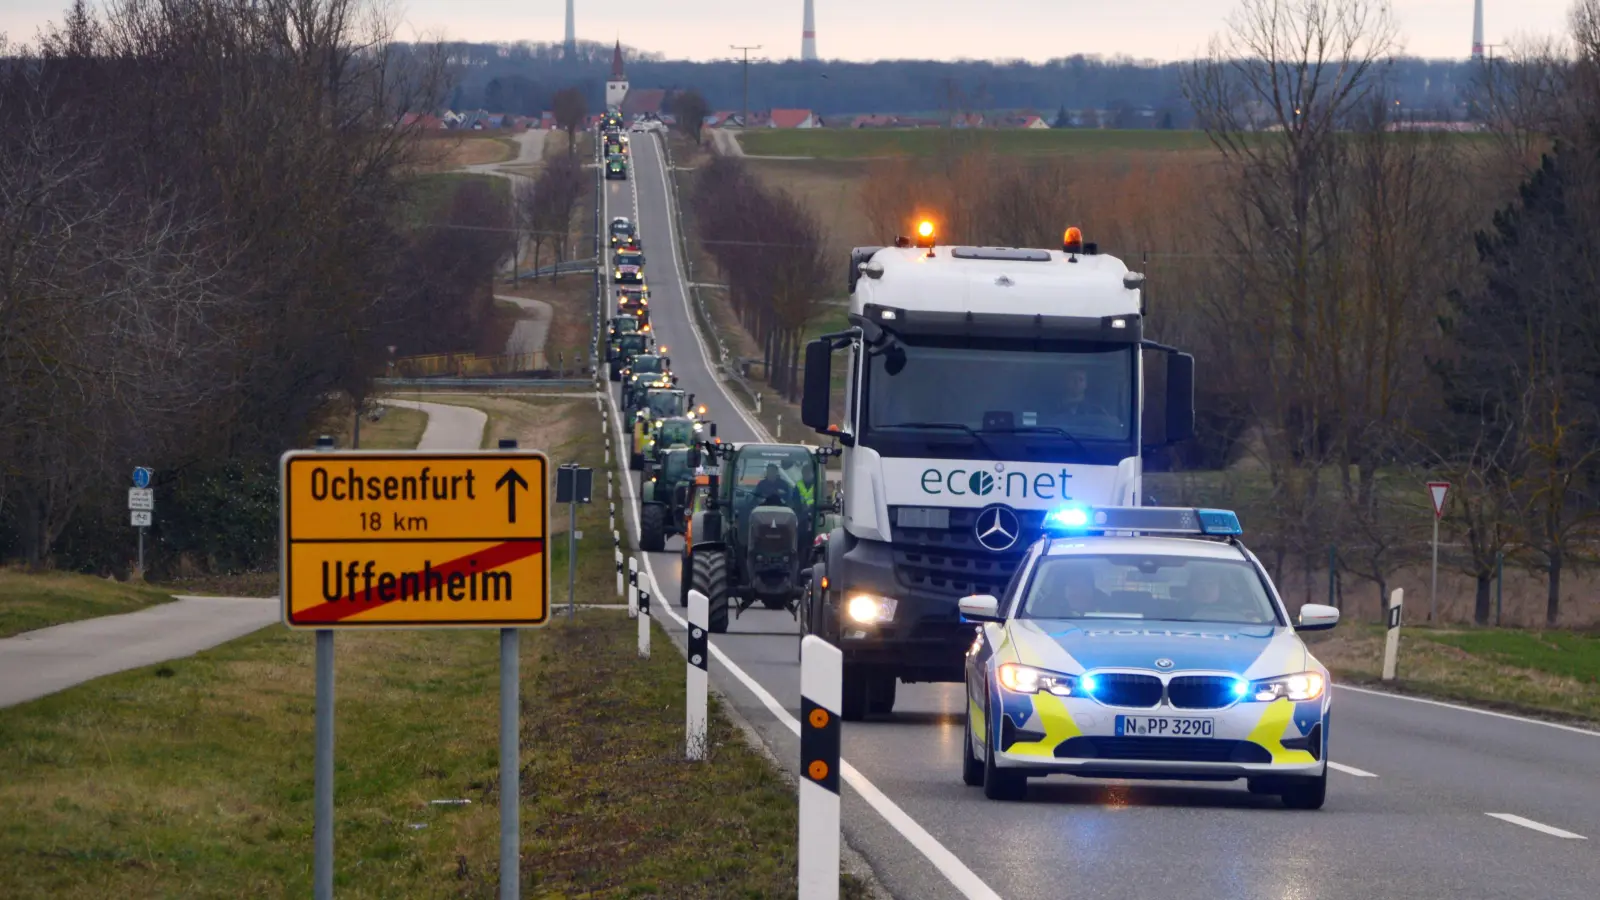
x,y
949,561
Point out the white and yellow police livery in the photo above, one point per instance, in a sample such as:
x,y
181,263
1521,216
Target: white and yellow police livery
x,y
1145,642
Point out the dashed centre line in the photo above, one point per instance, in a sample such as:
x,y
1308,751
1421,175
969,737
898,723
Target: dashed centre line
x,y
1537,826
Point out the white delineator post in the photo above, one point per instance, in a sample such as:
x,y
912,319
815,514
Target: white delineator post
x,y
616,552
821,687
699,658
644,624
633,587
1391,641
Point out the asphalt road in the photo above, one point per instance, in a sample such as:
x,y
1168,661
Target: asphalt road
x,y
1410,813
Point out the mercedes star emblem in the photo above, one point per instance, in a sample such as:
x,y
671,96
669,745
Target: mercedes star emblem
x,y
997,528
1164,663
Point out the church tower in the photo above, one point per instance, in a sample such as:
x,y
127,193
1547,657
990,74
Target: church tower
x,y
617,87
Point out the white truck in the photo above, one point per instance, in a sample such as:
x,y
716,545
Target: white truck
x,y
987,388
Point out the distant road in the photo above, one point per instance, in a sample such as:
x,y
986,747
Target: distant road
x,y
36,663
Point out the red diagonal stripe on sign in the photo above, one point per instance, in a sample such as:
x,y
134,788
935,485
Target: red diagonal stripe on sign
x,y
488,559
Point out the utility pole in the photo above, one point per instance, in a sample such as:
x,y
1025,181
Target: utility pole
x,y
745,122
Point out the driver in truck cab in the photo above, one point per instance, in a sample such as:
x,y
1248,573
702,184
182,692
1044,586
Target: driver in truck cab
x,y
1077,401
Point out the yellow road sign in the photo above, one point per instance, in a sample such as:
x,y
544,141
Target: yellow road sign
x,y
414,540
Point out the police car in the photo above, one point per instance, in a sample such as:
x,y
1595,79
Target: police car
x,y
1145,642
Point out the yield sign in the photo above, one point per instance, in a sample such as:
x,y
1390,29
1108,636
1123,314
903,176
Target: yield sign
x,y
1437,490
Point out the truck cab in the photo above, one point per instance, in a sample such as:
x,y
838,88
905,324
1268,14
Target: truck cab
x,y
984,387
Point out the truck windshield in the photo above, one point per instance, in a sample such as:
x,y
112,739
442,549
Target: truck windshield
x,y
1150,587
1070,401
644,364
630,259
625,324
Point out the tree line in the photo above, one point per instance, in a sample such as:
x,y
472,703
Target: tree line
x,y
210,230
522,77
769,249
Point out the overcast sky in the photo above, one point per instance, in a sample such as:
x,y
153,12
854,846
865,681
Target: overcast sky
x,y
877,29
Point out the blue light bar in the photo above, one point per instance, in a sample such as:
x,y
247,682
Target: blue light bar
x,y
1142,519
1219,521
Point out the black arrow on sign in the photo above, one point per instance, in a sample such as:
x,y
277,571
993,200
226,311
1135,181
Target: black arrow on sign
x,y
510,480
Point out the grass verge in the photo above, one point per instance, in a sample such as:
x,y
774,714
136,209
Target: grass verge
x,y
32,600
1547,674
193,778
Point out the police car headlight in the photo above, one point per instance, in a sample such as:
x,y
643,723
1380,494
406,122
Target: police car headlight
x,y
1020,679
870,610
1297,687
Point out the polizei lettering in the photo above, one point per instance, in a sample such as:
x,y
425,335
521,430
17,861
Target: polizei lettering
x,y
361,581
424,485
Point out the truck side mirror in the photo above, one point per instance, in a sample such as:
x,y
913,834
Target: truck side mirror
x,y
1169,398
818,386
1180,397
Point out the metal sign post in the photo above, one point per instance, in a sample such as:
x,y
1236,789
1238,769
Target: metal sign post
x,y
141,507
1436,491
574,485
379,529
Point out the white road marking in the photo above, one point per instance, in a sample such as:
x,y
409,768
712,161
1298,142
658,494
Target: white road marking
x,y
953,869
683,292
1470,709
1536,826
1350,770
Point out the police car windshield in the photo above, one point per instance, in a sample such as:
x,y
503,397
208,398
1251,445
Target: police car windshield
x,y
1063,396
1148,587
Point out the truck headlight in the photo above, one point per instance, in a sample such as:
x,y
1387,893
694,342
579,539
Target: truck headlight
x,y
1301,686
870,610
1020,679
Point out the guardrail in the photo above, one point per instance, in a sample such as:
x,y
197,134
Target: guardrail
x,y
561,268
468,364
444,383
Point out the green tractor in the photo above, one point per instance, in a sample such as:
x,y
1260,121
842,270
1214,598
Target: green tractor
x,y
642,373
657,407
624,349
750,537
667,485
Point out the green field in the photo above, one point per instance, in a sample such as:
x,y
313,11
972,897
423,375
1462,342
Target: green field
x,y
845,143
1546,673
31,600
430,195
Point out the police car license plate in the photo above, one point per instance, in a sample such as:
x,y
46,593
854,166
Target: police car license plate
x,y
1163,726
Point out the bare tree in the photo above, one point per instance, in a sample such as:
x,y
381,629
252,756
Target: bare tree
x,y
570,109
690,109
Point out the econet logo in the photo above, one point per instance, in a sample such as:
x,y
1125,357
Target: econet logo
x,y
1012,485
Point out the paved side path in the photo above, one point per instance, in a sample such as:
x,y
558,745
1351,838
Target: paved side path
x,y
528,334
36,663
449,427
